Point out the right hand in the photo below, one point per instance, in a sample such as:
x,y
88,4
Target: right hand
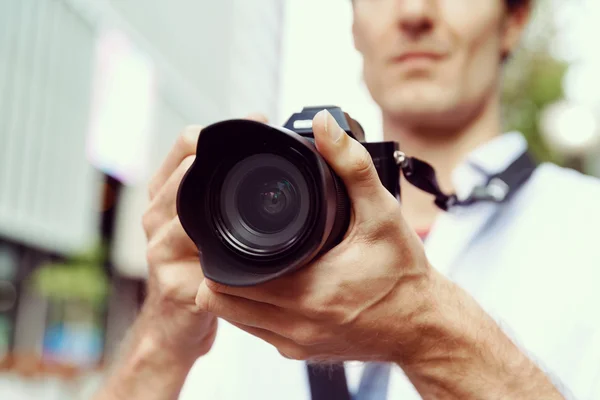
x,y
170,314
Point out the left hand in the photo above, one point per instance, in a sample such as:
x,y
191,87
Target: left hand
x,y
364,299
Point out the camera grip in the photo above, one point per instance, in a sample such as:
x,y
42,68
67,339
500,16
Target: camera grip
x,y
385,163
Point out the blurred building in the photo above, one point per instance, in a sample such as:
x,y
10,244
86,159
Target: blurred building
x,y
93,94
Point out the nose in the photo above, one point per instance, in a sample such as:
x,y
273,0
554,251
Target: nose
x,y
415,17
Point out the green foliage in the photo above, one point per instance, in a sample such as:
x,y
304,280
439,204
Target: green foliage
x,y
532,82
80,278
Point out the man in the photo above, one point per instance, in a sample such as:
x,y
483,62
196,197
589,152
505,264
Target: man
x,y
500,304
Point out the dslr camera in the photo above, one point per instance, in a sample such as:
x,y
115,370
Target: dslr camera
x,y
260,201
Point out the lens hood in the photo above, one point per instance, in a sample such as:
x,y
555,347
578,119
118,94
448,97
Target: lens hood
x,y
322,216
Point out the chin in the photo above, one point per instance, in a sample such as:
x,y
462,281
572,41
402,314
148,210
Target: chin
x,y
420,110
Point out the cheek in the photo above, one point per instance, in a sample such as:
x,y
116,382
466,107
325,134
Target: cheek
x,y
374,32
372,42
484,62
475,29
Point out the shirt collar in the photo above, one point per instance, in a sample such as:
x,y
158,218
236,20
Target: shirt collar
x,y
488,159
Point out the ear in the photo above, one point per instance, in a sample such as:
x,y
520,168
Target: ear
x,y
514,25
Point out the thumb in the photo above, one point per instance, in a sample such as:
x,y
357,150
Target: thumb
x,y
348,158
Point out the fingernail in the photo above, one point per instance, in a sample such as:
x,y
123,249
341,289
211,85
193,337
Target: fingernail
x,y
334,132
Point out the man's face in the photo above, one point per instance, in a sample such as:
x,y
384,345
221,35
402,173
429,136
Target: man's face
x,y
432,61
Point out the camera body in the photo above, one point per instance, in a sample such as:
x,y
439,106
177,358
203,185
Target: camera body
x,y
260,202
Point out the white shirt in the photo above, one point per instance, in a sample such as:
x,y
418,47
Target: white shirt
x,y
533,264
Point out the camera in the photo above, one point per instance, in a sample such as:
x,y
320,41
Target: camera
x,y
260,201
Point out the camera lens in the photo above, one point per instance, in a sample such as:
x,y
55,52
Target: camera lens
x,y
264,205
260,201
274,198
267,206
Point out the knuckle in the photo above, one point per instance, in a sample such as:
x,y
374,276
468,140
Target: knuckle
x,y
188,139
311,306
302,335
310,335
336,315
362,163
148,222
159,249
165,287
294,352
214,286
153,253
204,303
187,162
152,189
168,288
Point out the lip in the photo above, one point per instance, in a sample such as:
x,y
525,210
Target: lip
x,y
417,56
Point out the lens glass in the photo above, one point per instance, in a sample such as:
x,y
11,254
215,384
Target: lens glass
x,y
264,204
267,200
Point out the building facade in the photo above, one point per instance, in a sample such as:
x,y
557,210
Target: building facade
x,y
92,96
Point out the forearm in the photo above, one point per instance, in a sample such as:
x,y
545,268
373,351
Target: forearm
x,y
465,355
145,370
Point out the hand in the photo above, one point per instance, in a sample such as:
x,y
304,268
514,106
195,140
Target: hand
x,y
172,331
372,297
351,303
171,316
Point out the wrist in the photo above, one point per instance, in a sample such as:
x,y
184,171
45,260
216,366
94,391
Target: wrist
x,y
150,349
428,332
145,369
157,355
460,351
177,330
181,336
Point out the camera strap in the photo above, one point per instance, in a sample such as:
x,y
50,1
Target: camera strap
x,y
498,188
328,382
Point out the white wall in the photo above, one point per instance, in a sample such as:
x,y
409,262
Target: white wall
x,y
321,66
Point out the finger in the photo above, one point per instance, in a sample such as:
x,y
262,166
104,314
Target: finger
x,y
348,158
260,293
286,347
283,292
244,311
299,291
184,146
171,243
163,208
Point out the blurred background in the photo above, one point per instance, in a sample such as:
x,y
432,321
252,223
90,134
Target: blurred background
x,y
93,93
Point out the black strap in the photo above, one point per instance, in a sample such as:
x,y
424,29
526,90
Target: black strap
x,y
328,382
498,188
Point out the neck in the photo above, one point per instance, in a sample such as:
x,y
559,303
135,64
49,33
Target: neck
x,y
444,149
